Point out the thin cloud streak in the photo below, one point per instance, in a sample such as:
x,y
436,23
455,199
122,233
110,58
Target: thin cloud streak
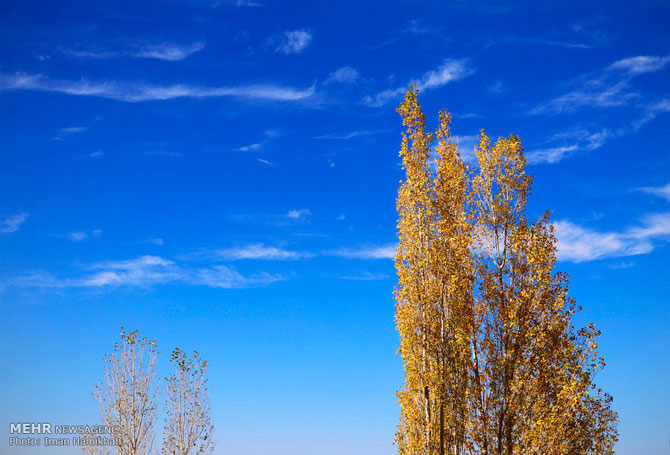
x,y
343,75
147,271
662,191
585,141
610,88
652,111
160,51
136,92
640,64
291,41
249,148
352,135
74,129
256,251
368,252
365,276
450,70
595,93
580,244
12,223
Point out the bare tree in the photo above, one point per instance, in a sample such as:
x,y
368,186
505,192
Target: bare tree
x,y
129,393
189,429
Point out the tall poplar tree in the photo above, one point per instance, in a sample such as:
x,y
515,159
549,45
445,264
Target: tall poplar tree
x,y
492,362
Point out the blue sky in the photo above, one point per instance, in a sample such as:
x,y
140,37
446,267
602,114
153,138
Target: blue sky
x,y
222,176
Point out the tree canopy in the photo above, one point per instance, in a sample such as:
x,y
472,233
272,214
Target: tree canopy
x,y
493,364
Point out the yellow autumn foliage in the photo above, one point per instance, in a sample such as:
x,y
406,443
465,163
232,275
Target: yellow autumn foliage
x,y
492,362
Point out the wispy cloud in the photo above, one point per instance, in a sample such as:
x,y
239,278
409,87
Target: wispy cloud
x,y
578,139
551,154
539,42
365,252
12,223
610,87
73,129
250,148
160,51
298,214
221,276
450,70
291,41
290,218
594,93
154,241
168,51
258,146
344,75
79,236
266,162
256,251
161,153
76,236
662,191
640,64
580,244
652,111
353,134
138,92
147,271
60,136
364,276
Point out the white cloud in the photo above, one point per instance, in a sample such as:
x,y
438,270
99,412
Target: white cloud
x,y
77,236
662,191
352,135
292,41
249,148
160,51
154,241
168,51
640,64
146,271
611,88
364,276
298,214
258,146
450,70
12,223
257,251
367,252
96,154
551,155
581,139
142,271
221,276
266,162
344,75
652,111
137,92
595,93
74,129
579,244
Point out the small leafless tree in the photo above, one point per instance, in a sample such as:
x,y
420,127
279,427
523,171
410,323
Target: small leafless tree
x,y
188,429
129,393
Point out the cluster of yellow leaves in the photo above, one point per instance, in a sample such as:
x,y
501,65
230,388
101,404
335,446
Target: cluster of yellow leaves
x,y
492,362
